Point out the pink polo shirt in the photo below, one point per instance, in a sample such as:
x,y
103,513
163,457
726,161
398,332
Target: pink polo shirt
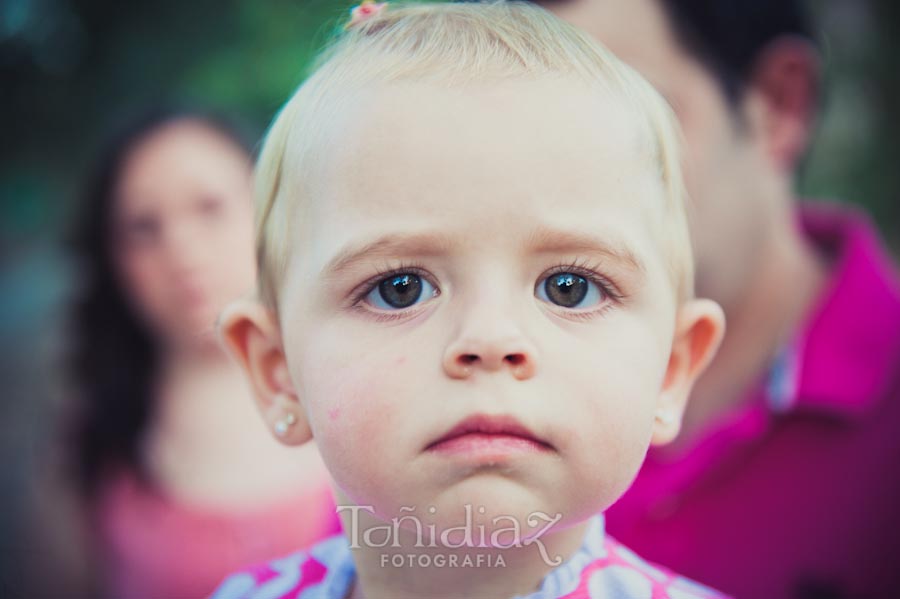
x,y
796,493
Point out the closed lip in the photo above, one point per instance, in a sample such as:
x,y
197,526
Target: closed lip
x,y
490,426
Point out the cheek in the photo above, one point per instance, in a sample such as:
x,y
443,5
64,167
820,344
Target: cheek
x,y
613,406
350,405
144,281
357,412
617,401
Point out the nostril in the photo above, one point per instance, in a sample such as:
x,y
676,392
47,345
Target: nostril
x,y
515,359
468,359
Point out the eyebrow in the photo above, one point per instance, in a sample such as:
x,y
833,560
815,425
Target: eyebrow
x,y
542,240
547,240
422,244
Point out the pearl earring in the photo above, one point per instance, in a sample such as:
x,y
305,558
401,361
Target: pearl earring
x,y
282,426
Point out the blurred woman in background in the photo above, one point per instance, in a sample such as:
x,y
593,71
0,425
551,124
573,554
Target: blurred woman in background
x,y
176,488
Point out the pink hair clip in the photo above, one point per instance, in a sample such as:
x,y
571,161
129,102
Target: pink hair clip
x,y
363,11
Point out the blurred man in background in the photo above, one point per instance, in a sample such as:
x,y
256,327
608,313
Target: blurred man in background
x,y
784,481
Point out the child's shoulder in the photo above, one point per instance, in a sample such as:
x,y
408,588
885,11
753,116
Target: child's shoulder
x,y
325,570
616,571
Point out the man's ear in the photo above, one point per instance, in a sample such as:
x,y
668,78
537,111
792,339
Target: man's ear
x,y
699,329
782,99
249,332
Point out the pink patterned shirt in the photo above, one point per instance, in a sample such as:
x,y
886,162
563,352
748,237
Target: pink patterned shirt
x,y
601,568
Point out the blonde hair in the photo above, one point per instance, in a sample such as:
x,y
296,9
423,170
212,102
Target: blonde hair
x,y
450,44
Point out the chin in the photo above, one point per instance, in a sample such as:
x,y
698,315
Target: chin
x,y
497,504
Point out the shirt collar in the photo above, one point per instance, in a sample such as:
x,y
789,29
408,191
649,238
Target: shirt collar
x,y
336,556
564,579
844,355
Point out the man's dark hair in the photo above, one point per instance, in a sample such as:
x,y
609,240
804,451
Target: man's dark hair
x,y
727,36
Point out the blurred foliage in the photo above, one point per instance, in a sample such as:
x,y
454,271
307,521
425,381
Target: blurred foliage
x,y
72,69
854,155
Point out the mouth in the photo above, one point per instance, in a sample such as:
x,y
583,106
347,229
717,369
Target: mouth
x,y
489,437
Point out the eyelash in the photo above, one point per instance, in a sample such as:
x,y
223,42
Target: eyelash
x,y
580,268
589,271
381,274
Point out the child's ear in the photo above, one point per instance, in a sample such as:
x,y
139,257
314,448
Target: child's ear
x,y
249,332
699,329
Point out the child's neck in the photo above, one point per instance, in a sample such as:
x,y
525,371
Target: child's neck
x,y
483,572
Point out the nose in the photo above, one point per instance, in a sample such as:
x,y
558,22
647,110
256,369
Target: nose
x,y
490,346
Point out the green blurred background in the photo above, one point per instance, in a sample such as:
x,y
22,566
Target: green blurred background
x,y
72,70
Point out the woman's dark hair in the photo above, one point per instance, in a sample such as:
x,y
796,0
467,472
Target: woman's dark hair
x,y
114,358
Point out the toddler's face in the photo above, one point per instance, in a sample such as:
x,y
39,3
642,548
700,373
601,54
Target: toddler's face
x,y
477,308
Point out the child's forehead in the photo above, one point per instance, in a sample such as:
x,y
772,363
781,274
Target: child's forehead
x,y
554,138
547,117
490,164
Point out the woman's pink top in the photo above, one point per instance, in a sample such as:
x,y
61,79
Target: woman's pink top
x,y
159,548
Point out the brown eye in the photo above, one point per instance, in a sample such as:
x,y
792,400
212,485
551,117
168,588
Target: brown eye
x,y
400,291
570,290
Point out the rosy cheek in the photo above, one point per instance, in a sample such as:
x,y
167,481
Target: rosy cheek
x,y
357,392
356,403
